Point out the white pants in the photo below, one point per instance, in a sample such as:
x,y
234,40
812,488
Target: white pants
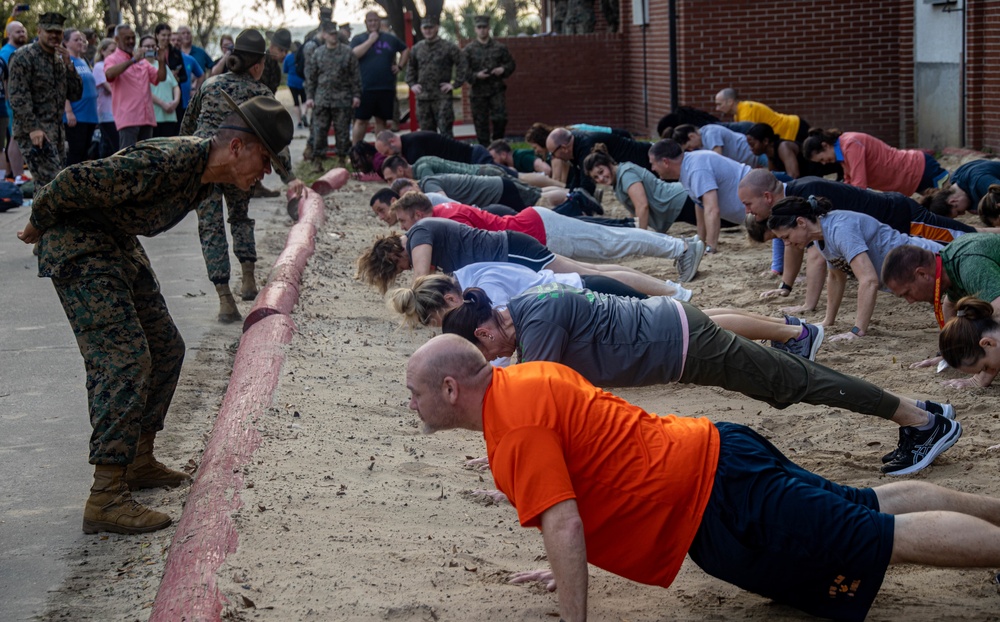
x,y
577,239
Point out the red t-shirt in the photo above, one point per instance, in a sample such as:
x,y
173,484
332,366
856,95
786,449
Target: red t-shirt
x,y
526,221
641,482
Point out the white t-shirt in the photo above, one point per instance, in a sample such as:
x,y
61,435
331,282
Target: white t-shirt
x,y
502,281
703,171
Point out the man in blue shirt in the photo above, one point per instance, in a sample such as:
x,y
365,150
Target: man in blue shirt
x,y
376,53
17,37
194,74
187,46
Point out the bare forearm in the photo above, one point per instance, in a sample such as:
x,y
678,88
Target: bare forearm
x,y
562,530
834,295
867,297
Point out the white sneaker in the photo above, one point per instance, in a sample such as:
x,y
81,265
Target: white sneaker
x,y
683,294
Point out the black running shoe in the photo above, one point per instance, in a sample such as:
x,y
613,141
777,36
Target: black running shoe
x,y
918,448
945,410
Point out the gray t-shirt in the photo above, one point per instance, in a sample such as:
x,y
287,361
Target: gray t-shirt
x,y
848,234
455,245
466,189
666,198
703,171
734,145
611,341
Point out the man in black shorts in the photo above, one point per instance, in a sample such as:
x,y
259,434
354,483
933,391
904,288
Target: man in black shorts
x,y
416,145
376,53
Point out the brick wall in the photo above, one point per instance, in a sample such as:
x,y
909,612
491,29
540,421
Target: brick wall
x,y
983,74
841,63
565,79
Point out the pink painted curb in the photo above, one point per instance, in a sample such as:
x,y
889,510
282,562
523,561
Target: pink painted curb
x,y
206,534
334,179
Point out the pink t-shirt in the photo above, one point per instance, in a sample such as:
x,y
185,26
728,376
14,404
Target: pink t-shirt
x,y
131,100
870,163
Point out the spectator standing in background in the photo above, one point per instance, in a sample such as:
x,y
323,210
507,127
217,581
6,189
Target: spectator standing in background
x,y
130,74
105,118
80,116
376,53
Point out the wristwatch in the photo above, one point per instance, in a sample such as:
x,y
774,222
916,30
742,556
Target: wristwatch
x,y
856,331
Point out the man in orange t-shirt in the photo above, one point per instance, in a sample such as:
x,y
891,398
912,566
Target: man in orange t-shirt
x,y
630,492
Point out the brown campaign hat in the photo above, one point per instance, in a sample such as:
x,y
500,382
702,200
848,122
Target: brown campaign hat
x,y
269,121
250,41
282,38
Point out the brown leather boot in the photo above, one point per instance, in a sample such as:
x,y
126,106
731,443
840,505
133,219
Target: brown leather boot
x,y
111,507
147,472
248,289
228,313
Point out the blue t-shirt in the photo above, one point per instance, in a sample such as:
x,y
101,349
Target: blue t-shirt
x,y
376,64
293,77
193,69
201,57
85,108
975,178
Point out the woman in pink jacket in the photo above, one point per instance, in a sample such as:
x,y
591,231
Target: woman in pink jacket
x,y
870,163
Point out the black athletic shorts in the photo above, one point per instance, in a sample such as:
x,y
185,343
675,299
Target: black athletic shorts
x,y
526,251
298,96
376,104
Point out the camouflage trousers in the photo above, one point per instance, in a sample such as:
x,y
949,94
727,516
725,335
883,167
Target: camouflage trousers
x,y
132,352
45,162
486,109
342,118
212,231
436,115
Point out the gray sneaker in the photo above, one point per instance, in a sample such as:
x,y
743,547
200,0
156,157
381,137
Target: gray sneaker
x,y
687,264
806,346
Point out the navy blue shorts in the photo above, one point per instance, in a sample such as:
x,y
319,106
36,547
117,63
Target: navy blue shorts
x,y
526,251
934,176
376,104
773,528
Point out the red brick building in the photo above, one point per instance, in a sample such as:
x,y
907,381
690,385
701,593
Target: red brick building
x,y
837,63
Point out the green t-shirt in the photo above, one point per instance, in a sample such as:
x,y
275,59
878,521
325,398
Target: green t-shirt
x,y
972,263
524,160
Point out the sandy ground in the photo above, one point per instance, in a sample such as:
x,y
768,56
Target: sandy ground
x,y
351,514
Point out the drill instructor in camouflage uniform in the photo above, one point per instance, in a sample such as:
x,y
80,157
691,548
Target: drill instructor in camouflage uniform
x,y
42,80
433,63
333,89
488,63
85,224
203,118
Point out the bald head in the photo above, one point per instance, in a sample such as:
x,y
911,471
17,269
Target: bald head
x,y
388,143
17,34
725,101
447,378
559,143
758,191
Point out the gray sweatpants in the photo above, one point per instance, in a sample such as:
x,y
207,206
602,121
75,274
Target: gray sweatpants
x,y
578,239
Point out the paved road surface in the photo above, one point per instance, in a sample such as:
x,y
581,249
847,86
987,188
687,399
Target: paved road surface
x,y
44,430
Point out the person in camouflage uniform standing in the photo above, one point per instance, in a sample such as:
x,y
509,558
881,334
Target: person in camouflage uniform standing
x,y
333,90
579,17
203,118
85,224
488,63
433,62
42,80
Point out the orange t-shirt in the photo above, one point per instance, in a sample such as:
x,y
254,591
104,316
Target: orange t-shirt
x,y
641,482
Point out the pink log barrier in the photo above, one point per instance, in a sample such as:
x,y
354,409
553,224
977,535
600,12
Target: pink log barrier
x,y
205,534
334,179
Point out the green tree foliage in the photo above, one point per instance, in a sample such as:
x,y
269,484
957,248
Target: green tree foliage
x,y
508,18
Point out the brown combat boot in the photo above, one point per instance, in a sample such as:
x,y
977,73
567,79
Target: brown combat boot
x,y
248,289
111,507
228,313
147,472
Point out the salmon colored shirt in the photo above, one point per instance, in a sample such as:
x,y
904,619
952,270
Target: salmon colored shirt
x,y
131,100
641,482
526,221
784,125
870,163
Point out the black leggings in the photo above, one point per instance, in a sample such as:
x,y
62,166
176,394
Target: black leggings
x,y
688,215
607,285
